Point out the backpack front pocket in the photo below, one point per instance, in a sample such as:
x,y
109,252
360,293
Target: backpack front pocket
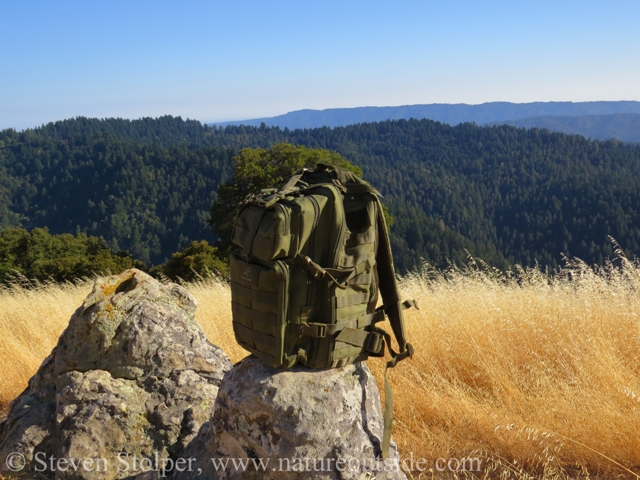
x,y
265,233
259,301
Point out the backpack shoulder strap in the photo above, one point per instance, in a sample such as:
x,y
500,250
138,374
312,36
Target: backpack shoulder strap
x,y
392,303
393,307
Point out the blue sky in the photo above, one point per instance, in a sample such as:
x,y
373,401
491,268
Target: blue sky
x,y
240,59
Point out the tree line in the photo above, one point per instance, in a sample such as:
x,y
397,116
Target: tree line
x,y
506,195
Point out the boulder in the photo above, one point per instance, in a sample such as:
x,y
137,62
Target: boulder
x,y
300,423
128,386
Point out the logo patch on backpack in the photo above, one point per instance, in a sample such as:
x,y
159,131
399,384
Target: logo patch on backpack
x,y
249,273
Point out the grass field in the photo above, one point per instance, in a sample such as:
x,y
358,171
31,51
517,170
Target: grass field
x,y
536,376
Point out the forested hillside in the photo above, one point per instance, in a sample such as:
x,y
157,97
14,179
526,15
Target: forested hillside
x,y
146,187
504,194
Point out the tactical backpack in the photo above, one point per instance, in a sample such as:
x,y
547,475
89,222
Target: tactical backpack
x,y
304,282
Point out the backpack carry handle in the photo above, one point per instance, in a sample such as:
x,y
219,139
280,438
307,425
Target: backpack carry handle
x,y
348,181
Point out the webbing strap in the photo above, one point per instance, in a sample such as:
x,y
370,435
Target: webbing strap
x,y
286,189
256,336
410,304
264,322
359,322
315,330
290,188
404,305
260,296
293,180
388,393
353,336
355,299
359,269
319,273
272,199
370,319
321,330
388,397
372,342
393,307
362,279
249,314
388,285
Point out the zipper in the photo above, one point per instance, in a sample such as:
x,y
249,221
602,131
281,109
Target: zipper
x,y
282,271
287,217
312,242
339,243
342,224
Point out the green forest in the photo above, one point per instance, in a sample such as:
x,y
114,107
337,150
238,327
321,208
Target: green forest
x,y
503,194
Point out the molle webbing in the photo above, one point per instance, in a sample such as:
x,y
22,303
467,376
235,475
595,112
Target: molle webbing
x,y
349,300
362,279
254,317
259,296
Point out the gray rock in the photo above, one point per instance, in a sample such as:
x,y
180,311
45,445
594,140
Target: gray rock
x,y
307,424
130,383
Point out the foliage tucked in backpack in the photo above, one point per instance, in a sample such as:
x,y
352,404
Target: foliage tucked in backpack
x,y
197,260
38,255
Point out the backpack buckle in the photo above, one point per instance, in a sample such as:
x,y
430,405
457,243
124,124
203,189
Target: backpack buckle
x,y
410,304
312,267
315,330
374,343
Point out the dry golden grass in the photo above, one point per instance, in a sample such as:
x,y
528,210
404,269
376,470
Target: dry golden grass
x,y
532,373
214,316
31,320
537,376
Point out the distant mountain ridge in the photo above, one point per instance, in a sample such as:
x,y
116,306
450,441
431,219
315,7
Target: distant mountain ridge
x,y
453,114
621,126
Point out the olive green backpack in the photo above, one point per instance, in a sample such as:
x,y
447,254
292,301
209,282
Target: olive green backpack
x,y
304,282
